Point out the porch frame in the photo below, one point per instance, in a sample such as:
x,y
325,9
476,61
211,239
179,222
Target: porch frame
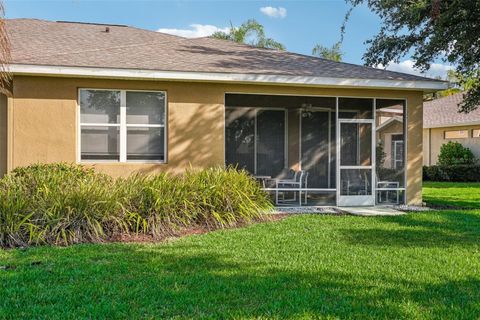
x,y
337,128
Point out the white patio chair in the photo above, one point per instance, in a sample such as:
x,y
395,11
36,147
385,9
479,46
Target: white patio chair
x,y
295,183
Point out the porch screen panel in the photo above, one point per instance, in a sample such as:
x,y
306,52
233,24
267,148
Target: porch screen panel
x,y
315,147
270,142
239,138
390,150
355,144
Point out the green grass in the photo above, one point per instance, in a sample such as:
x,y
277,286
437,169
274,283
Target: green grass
x,y
416,266
452,194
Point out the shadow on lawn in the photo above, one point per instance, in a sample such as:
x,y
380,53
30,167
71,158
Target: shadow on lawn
x,y
166,282
439,229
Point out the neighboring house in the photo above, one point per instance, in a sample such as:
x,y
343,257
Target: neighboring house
x,y
127,100
443,123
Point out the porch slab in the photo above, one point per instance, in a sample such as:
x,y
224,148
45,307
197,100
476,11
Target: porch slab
x,y
372,211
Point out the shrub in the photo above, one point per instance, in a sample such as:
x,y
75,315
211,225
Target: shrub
x,y
453,153
454,173
65,204
161,204
58,204
225,197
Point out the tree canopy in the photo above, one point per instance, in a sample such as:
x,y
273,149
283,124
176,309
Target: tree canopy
x,y
430,30
250,32
333,53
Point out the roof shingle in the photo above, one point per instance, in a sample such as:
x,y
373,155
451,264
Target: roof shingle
x,y
40,42
443,112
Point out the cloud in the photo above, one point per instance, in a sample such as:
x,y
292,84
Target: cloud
x,y
195,31
436,69
272,12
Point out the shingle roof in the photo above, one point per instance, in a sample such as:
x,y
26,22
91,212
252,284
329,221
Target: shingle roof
x,y
40,42
443,112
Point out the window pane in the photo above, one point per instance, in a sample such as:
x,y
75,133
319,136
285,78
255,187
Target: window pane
x,y
145,144
456,134
356,144
100,143
145,107
99,106
476,133
355,182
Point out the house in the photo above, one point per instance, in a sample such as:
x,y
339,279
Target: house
x,y
125,100
443,123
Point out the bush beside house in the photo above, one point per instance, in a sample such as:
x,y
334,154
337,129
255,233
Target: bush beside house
x,y
64,204
456,163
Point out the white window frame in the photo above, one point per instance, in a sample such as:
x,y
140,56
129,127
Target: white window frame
x,y
123,127
396,160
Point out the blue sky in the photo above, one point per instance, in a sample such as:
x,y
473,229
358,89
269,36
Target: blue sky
x,y
297,24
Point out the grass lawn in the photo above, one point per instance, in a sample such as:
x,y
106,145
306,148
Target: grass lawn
x,y
421,265
465,195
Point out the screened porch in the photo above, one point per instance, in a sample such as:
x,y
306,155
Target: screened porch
x,y
301,148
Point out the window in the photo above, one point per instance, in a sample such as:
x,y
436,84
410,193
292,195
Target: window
x,y
456,134
397,151
119,125
476,133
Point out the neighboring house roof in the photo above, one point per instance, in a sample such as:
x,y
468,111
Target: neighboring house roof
x,y
66,44
443,112
389,122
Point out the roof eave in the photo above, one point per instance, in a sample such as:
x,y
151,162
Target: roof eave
x,y
136,74
451,125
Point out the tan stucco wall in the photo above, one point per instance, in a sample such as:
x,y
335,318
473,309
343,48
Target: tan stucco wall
x,y
3,134
44,122
436,138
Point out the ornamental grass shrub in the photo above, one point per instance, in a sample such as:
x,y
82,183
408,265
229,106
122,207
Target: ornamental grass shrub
x,y
57,204
63,204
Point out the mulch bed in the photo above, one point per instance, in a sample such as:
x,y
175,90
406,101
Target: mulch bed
x,y
193,230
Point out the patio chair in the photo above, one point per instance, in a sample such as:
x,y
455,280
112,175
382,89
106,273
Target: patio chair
x,y
296,183
388,185
305,185
356,186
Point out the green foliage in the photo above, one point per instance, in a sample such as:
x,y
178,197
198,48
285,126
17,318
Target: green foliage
x,y
56,203
333,53
432,30
453,173
64,204
454,153
250,32
380,155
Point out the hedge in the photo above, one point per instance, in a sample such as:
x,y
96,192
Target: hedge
x,y
453,173
62,204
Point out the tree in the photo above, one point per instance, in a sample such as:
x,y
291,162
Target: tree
x,y
334,53
250,32
430,29
5,77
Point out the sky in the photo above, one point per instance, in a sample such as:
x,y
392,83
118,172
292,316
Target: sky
x,y
297,24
